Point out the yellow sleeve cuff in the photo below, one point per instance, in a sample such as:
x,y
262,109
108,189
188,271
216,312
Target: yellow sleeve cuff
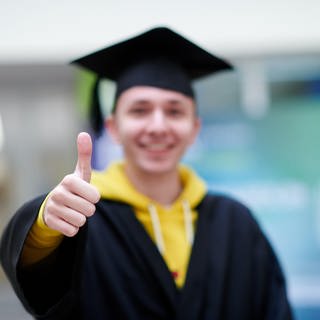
x,y
41,240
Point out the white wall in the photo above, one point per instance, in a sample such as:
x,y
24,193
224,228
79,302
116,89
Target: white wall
x,y
40,122
57,31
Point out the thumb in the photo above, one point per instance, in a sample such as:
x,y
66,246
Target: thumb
x,y
84,147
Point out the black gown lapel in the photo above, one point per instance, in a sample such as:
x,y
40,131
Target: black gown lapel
x,y
142,246
208,260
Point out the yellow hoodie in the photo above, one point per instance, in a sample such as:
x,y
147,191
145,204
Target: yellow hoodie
x,y
171,228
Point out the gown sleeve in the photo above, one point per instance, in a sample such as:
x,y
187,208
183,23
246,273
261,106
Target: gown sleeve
x,y
271,301
47,289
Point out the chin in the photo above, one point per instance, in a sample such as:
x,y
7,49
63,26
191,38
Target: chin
x,y
158,168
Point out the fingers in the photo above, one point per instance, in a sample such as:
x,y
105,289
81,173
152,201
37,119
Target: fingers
x,y
62,226
75,185
84,147
70,204
62,198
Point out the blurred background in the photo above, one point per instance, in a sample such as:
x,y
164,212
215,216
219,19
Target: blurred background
x,y
260,136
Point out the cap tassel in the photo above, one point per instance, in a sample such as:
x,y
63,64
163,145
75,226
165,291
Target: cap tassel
x,y
95,114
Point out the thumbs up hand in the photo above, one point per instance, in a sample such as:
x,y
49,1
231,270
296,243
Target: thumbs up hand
x,y
73,200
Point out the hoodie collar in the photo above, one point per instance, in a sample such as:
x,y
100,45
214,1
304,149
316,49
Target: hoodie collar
x,y
113,184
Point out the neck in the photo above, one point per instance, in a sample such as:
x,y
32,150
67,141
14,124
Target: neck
x,y
163,188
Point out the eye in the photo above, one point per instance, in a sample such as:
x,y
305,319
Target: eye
x,y
138,111
175,112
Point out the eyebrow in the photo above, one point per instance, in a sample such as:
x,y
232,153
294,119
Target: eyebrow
x,y
147,101
175,101
140,101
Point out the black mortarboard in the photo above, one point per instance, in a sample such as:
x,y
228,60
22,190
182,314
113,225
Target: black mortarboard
x,y
159,58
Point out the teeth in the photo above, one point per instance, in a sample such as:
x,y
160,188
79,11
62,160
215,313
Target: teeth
x,y
156,147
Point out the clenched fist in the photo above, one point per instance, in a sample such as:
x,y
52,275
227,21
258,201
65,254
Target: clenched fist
x,y
73,200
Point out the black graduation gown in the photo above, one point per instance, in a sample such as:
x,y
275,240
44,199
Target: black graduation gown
x,y
112,269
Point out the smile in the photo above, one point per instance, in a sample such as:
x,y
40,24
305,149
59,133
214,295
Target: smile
x,y
157,147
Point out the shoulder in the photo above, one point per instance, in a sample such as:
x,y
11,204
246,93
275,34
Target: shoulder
x,y
230,211
227,204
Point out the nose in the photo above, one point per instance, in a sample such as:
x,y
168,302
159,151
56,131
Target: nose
x,y
158,122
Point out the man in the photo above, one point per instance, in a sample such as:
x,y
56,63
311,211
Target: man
x,y
144,239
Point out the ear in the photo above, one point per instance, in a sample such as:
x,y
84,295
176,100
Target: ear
x,y
195,131
110,124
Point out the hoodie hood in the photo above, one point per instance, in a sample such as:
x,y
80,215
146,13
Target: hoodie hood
x,y
113,184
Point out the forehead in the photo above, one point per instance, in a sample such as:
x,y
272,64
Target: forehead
x,y
152,94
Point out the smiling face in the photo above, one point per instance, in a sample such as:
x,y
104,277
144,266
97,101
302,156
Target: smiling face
x,y
154,127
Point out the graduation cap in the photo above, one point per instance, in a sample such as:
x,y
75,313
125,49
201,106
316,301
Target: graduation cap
x,y
158,57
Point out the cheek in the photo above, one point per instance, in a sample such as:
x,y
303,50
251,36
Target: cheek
x,y
127,131
188,132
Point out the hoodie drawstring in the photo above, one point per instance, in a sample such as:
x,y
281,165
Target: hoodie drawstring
x,y
187,215
156,228
188,221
